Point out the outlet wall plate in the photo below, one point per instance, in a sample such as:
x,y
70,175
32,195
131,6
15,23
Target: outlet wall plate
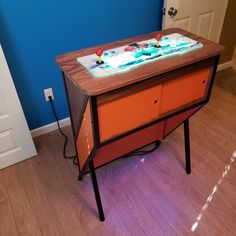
x,y
47,93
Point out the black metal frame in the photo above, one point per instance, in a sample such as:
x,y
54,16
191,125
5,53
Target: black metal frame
x,y
187,146
94,120
98,144
96,191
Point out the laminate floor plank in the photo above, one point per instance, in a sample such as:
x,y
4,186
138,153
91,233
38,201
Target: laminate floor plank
x,y
7,221
15,179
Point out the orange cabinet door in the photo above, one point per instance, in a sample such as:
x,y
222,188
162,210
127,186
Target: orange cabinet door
x,y
184,90
127,112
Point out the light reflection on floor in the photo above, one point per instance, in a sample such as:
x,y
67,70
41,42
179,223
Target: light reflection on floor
x,y
225,172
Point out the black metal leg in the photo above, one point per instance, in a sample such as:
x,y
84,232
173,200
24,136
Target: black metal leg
x,y
187,146
96,191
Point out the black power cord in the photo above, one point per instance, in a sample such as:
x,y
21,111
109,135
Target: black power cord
x,y
75,160
140,152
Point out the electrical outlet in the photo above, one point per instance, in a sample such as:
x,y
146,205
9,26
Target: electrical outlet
x,y
47,93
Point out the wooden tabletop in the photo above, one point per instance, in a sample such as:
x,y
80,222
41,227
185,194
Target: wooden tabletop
x,y
96,86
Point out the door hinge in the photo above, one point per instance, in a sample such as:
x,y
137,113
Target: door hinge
x,y
163,11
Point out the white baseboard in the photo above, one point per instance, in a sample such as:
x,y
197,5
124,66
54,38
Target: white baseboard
x,y
225,65
50,127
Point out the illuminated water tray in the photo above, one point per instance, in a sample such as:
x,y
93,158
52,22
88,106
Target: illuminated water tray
x,y
119,60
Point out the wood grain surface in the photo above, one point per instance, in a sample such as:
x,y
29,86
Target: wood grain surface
x,y
147,195
91,86
77,103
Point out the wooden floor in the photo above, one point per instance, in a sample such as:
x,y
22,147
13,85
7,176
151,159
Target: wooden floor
x,y
148,195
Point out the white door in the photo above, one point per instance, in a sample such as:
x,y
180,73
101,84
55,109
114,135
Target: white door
x,y
201,17
16,143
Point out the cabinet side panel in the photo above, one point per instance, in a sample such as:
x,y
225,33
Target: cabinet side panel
x,y
84,142
129,143
175,121
77,102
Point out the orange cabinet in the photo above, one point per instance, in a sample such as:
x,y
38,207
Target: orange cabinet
x,y
131,109
185,89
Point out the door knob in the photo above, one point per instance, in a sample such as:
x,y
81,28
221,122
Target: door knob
x,y
172,11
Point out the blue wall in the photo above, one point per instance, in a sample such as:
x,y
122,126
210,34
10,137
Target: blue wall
x,y
34,32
